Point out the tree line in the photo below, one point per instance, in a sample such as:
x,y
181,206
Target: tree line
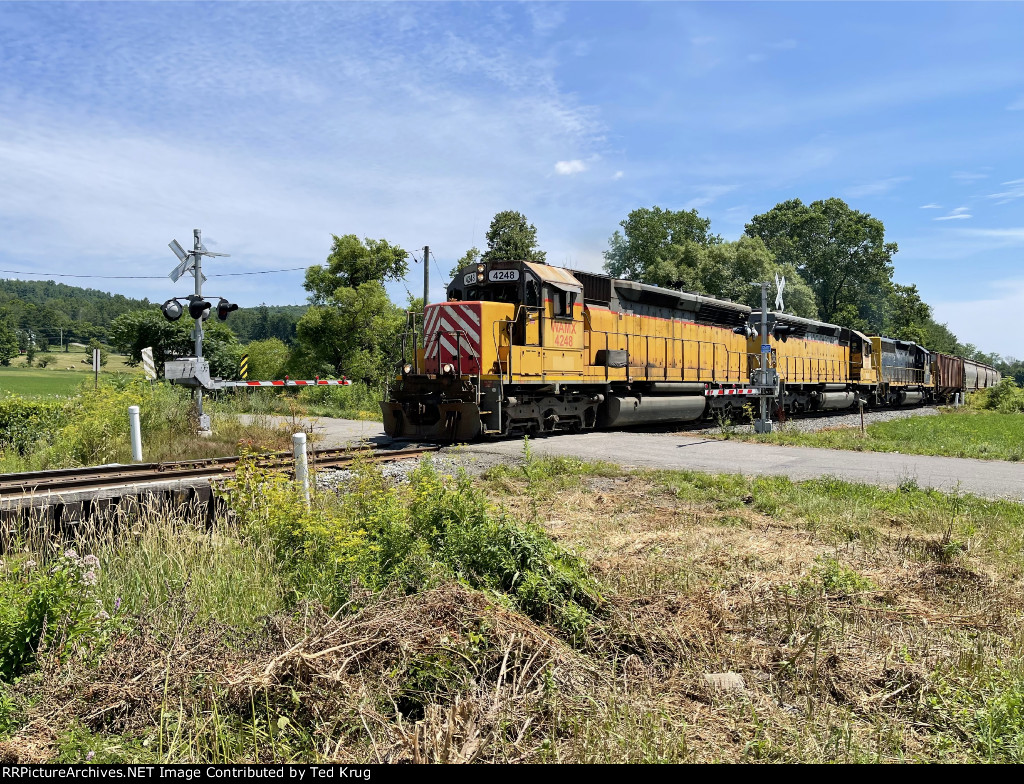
x,y
836,261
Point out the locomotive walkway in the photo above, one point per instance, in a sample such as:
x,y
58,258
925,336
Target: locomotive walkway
x,y
988,478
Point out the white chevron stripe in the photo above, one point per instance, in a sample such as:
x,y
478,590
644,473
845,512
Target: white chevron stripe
x,y
469,345
471,332
468,311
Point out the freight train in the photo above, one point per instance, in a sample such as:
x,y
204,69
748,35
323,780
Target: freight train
x,y
527,348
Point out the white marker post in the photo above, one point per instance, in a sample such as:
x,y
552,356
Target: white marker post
x,y
301,463
96,368
133,419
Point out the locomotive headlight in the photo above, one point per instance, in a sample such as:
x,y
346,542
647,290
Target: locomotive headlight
x,y
479,267
406,370
448,369
479,276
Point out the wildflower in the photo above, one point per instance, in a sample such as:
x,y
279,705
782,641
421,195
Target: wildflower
x,y
117,604
103,616
89,756
71,555
91,561
89,578
29,564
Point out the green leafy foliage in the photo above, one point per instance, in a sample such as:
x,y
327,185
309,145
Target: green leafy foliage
x,y
141,329
8,344
24,424
45,308
357,334
511,238
46,606
840,252
268,359
1007,398
649,236
352,263
377,535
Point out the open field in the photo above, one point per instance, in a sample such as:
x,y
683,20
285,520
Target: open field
x,y
40,383
704,618
987,435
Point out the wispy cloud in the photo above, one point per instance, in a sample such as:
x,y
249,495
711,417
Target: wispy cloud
x,y
1011,235
875,188
707,195
618,175
931,206
960,213
1014,191
964,176
570,167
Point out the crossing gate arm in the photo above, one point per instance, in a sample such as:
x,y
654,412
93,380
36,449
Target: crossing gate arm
x,y
317,382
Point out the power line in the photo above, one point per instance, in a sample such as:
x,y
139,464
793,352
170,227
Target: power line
x,y
145,277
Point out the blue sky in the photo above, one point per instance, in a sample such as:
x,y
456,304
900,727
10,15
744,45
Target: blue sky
x,y
272,126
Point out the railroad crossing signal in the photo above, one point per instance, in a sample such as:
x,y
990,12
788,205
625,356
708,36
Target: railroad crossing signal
x,y
780,285
243,366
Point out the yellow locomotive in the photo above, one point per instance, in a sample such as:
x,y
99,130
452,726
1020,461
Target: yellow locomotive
x,y
520,347
530,348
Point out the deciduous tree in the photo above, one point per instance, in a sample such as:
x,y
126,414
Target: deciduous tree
x,y
840,252
511,238
652,238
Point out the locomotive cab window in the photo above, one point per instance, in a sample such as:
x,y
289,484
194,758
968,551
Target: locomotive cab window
x,y
532,297
562,303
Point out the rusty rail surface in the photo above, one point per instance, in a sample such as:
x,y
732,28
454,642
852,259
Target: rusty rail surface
x,y
89,477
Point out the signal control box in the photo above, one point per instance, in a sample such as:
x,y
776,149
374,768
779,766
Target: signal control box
x,y
190,372
766,381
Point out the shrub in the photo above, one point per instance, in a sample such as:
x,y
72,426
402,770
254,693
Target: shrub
x,y
1006,397
46,607
24,424
379,536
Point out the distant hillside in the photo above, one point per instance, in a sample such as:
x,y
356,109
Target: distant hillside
x,y
266,321
44,308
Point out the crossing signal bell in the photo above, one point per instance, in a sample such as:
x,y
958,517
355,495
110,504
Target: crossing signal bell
x,y
224,307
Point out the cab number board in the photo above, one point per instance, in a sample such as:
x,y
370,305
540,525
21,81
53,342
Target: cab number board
x,y
503,275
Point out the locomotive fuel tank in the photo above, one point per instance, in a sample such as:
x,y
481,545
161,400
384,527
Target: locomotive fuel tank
x,y
642,410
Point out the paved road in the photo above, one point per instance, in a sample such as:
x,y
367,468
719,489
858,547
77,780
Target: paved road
x,y
990,478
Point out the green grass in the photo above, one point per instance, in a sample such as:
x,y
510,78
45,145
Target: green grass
x,y
868,624
40,383
988,435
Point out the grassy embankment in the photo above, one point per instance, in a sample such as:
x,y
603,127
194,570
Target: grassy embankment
x,y
90,427
448,620
989,435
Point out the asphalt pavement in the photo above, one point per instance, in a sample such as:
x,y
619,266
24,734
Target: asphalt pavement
x,y
989,478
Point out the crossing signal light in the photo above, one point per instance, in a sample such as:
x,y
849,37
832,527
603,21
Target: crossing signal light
x,y
782,331
198,308
224,307
171,309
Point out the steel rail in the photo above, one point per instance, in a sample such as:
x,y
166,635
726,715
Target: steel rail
x,y
63,480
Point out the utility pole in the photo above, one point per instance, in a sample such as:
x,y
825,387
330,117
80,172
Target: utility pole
x,y
197,331
766,353
426,276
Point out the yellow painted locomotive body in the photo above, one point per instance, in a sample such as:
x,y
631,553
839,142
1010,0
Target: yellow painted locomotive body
x,y
524,347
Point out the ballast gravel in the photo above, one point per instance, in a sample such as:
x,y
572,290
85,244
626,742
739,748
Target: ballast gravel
x,y
812,424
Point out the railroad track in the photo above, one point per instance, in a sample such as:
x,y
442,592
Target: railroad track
x,y
212,469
